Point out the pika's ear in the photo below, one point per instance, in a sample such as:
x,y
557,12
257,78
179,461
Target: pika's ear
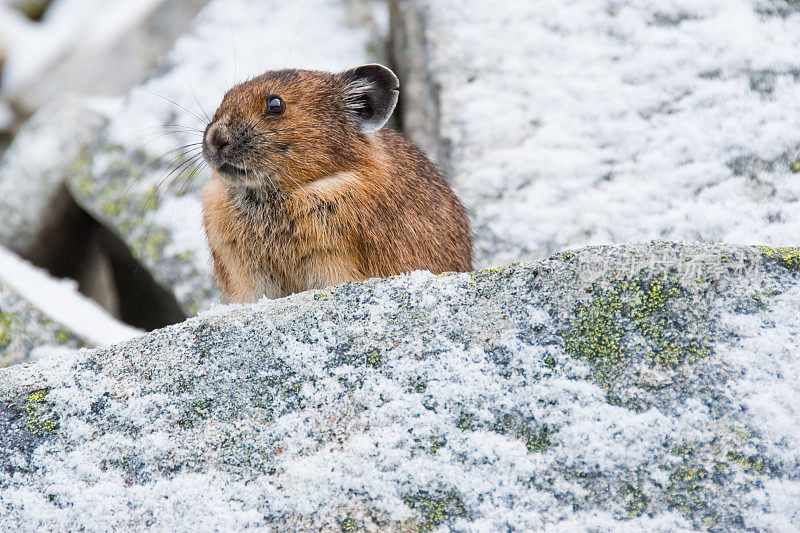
x,y
370,95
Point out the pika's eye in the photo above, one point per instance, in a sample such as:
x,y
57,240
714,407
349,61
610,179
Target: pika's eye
x,y
275,106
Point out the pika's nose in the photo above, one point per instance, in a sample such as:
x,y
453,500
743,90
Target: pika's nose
x,y
219,138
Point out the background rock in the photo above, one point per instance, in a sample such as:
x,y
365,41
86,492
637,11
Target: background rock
x,y
568,124
44,224
640,387
40,315
75,50
33,170
23,328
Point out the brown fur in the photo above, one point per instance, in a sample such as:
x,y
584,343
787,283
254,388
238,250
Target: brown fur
x,y
320,203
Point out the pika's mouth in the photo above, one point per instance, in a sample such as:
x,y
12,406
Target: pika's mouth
x,y
231,170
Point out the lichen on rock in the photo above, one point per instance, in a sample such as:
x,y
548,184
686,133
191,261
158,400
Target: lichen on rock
x,y
470,401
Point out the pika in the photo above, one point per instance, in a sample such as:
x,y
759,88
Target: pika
x,y
309,189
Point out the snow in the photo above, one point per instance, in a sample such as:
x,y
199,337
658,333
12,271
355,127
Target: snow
x,y
587,122
32,48
30,183
288,425
608,122
61,301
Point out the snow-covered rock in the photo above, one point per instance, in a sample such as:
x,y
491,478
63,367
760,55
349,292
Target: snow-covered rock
x,y
24,329
40,316
640,387
563,124
143,177
86,47
34,168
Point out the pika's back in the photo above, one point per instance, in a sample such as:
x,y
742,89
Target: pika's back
x,y
310,189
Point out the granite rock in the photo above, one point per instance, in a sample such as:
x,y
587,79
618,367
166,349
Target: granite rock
x,y
638,387
566,124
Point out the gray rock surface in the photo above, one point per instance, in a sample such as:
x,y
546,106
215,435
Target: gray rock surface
x,y
90,62
566,124
33,170
24,328
640,387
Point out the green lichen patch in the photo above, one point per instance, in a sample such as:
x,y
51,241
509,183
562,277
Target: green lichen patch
x,y
349,525
429,445
688,490
41,418
8,322
540,441
437,442
787,256
484,272
466,421
635,501
537,437
435,508
710,476
795,166
749,463
683,450
649,322
373,358
195,411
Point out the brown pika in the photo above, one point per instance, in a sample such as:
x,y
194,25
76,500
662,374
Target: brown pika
x,y
310,189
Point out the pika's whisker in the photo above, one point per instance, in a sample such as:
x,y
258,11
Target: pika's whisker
x,y
174,103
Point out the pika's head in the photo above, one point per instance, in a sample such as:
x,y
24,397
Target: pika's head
x,y
294,126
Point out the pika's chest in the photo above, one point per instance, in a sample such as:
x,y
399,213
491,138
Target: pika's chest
x,y
267,220
261,243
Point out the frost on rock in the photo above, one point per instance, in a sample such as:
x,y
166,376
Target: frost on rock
x,y
24,329
640,387
32,169
144,177
76,46
41,316
602,122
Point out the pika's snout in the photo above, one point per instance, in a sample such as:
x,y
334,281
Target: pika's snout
x,y
218,140
223,150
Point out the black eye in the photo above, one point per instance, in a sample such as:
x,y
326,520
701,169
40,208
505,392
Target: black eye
x,y
275,106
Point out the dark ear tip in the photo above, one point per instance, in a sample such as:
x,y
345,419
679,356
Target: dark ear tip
x,y
371,92
379,73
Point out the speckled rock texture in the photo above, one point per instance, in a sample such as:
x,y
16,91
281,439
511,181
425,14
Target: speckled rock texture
x,y
566,124
644,387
